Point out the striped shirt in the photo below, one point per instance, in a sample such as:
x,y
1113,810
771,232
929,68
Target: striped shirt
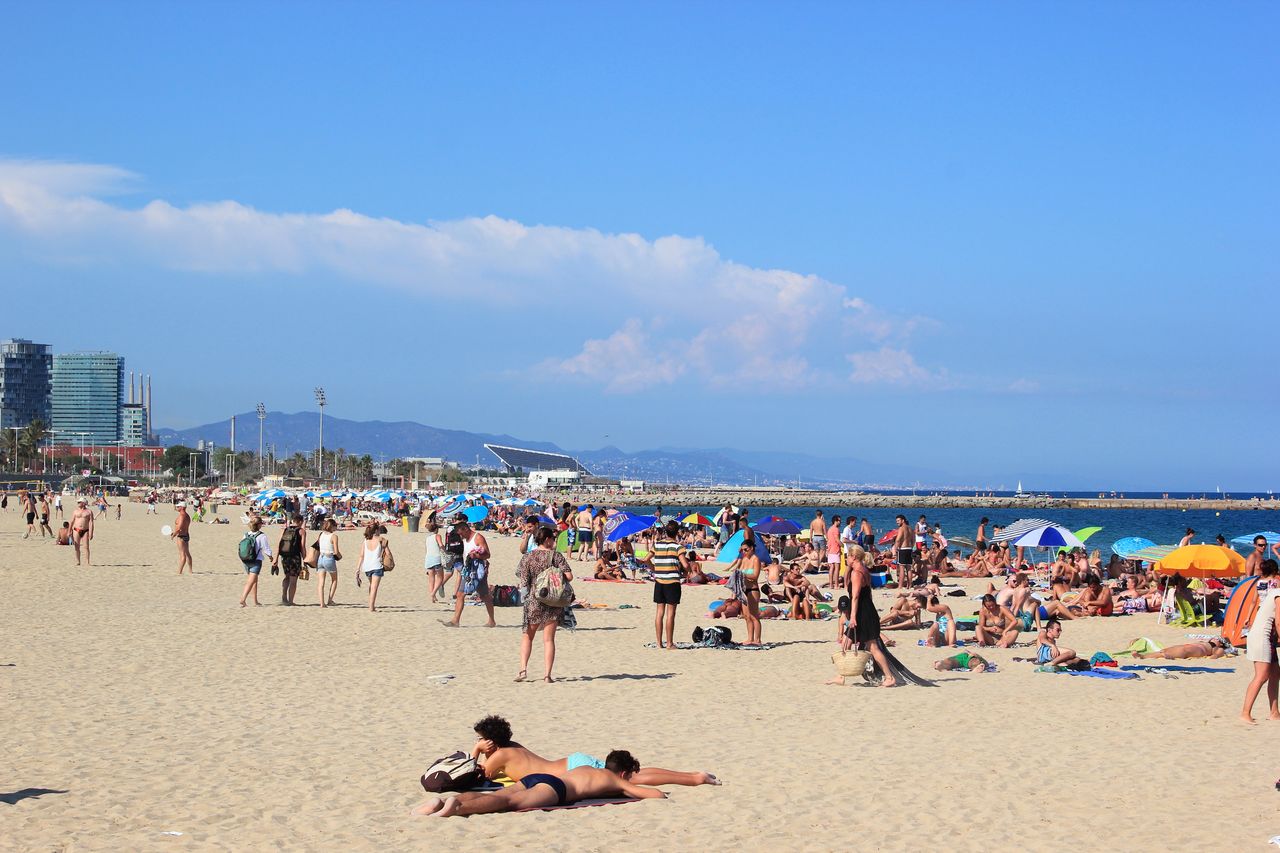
x,y
666,561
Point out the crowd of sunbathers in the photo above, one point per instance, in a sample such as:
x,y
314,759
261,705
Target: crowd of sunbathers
x,y
530,781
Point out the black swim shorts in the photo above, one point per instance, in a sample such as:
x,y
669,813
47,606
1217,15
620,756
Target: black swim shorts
x,y
666,593
906,556
553,782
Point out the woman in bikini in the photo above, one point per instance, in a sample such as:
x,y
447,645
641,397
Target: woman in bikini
x,y
749,565
997,626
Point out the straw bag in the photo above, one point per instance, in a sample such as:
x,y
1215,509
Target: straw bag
x,y
388,559
851,664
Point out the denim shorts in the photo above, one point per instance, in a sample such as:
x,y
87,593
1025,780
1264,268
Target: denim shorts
x,y
253,568
376,573
326,563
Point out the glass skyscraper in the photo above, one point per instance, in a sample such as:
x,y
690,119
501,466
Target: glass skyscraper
x,y
24,382
88,390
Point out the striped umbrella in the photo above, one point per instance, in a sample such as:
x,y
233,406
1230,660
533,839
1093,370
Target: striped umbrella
x,y
1153,554
1019,528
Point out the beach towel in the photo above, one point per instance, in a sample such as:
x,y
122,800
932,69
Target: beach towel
x,y
1175,668
1102,673
1142,645
583,804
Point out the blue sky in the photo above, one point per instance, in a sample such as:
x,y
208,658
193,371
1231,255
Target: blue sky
x,y
1009,238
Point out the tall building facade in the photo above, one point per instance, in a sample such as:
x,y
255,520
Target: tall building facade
x,y
133,424
25,369
87,395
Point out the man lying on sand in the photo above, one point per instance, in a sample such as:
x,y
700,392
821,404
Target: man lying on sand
x,y
500,756
538,790
964,660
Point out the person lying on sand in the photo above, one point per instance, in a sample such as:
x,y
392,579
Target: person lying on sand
x,y
538,790
498,755
1214,648
964,660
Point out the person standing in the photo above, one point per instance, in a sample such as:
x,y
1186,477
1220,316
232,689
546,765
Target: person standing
x,y
832,541
668,562
904,543
328,553
537,615
474,579
1186,539
583,528
980,538
433,560
863,627
289,550
597,533
182,535
922,534
252,568
1261,647
372,561
57,505
44,517
818,532
867,536
748,566
82,529
849,534
28,504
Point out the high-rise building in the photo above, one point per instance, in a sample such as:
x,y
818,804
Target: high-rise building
x,y
133,425
88,391
24,382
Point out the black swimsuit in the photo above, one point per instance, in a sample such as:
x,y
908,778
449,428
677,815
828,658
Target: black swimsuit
x,y
554,782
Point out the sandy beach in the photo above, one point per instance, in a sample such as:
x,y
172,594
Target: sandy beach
x,y
149,705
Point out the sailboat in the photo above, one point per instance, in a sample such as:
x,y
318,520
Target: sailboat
x,y
1020,493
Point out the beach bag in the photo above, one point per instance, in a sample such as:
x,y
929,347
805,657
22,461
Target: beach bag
x,y
289,541
852,663
474,573
248,549
716,635
506,596
456,772
550,589
388,559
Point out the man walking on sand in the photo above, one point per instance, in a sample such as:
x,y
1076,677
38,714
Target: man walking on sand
x,y
474,579
82,529
182,535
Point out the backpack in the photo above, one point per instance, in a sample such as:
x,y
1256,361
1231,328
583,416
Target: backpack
x,y
506,596
550,589
716,635
456,772
289,541
249,548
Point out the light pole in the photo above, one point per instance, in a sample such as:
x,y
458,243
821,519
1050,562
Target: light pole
x,y
320,401
262,416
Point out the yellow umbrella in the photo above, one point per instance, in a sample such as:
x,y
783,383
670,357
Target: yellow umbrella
x,y
1201,561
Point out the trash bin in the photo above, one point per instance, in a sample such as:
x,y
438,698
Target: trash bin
x,y
411,522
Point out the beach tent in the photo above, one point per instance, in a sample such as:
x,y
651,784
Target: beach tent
x,y
1240,611
729,552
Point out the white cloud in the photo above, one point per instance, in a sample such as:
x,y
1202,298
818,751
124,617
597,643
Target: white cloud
x,y
676,309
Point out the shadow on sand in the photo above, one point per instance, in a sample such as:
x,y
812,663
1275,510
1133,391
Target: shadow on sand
x,y
27,794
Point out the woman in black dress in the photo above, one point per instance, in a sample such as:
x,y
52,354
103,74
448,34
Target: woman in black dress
x,y
863,629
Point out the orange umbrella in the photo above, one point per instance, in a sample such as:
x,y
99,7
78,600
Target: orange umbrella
x,y
1201,561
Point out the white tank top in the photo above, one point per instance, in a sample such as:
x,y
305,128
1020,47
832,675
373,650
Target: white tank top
x,y
372,559
468,545
433,547
326,544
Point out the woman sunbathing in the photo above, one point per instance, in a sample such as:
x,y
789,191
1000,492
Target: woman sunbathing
x,y
997,626
1214,648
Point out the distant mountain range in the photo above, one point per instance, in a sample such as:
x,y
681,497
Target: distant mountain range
x,y
298,432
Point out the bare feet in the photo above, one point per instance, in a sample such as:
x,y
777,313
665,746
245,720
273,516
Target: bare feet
x,y
889,682
429,807
450,807
709,779
839,680
1245,718
491,625
448,623
548,679
522,675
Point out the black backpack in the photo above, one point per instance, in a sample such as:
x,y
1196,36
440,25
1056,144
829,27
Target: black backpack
x,y
289,541
456,772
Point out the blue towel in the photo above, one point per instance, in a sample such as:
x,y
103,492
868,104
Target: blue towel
x,y
1173,668
1103,672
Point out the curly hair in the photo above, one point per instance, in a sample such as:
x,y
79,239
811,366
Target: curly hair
x,y
496,729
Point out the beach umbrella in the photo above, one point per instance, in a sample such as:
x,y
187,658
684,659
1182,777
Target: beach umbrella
x,y
1129,545
454,504
697,519
1019,528
1201,561
625,524
1084,533
718,517
1152,553
775,526
1046,536
1270,535
962,541
888,537
546,521
729,552
476,514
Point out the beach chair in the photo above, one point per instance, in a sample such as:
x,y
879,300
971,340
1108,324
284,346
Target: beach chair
x,y
1186,616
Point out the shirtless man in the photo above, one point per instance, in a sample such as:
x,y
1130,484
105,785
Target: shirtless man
x,y
499,755
27,505
997,626
904,543
583,528
867,536
818,531
44,516
82,529
182,535
980,538
1253,562
539,790
1048,651
1096,598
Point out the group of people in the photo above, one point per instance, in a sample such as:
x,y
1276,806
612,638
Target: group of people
x,y
38,507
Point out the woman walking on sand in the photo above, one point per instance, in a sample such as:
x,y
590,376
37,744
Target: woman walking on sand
x,y
1261,649
373,554
433,562
328,553
537,614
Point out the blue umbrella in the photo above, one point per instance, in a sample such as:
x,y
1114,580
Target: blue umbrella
x,y
729,552
476,514
451,507
528,502
547,520
1270,535
1122,548
1047,536
625,524
775,526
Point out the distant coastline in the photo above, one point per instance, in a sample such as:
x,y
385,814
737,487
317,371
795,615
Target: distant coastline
x,y
679,496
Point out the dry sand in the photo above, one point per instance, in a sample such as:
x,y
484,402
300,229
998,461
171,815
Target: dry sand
x,y
150,703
